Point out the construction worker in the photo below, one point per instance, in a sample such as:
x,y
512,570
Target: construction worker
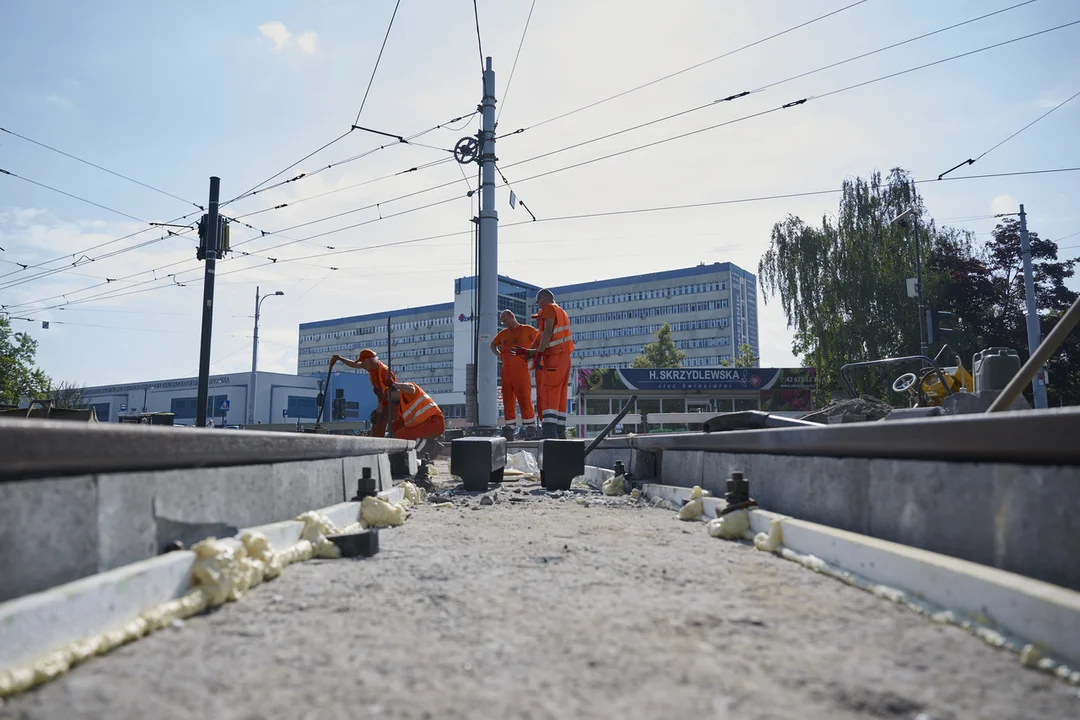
x,y
381,378
516,382
415,415
552,356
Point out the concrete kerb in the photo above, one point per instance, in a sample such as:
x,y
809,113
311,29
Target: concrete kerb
x,y
35,625
595,476
1029,610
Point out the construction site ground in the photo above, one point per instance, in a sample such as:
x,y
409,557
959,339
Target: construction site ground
x,y
541,607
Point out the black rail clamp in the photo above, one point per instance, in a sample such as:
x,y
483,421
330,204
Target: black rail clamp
x,y
560,462
738,489
364,543
478,461
366,485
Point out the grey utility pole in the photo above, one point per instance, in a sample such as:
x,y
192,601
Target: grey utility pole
x,y
210,243
1038,383
255,356
488,266
901,220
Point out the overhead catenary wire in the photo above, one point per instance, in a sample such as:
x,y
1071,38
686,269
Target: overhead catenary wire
x,y
693,67
71,195
629,211
377,61
513,68
99,167
785,106
972,161
479,42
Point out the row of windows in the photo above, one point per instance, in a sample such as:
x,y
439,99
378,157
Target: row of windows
x,y
372,329
379,344
426,366
708,360
437,380
638,349
418,352
710,323
620,298
616,315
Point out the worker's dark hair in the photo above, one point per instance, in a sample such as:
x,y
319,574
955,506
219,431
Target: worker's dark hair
x,y
546,293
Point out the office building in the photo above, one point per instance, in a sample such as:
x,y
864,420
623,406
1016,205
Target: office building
x,y
712,309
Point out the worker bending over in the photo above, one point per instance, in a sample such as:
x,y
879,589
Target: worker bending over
x,y
516,380
552,355
381,378
415,415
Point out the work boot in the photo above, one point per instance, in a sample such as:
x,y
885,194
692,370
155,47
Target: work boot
x,y
508,432
549,431
561,432
531,432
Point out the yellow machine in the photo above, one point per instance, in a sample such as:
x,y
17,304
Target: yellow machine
x,y
927,388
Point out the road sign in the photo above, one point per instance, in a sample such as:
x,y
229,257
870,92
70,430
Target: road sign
x,y
224,406
123,407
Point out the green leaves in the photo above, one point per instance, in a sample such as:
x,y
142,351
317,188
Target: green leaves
x,y
662,353
18,376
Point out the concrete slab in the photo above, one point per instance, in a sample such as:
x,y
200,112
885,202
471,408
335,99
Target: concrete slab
x,y
56,514
126,528
980,512
1031,610
44,448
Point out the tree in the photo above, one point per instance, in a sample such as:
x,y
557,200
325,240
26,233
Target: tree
x,y
744,358
68,395
843,285
662,353
18,376
986,288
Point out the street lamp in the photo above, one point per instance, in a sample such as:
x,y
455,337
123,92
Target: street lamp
x,y
255,354
902,221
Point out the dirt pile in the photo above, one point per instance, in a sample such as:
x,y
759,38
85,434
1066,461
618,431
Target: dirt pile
x,y
861,409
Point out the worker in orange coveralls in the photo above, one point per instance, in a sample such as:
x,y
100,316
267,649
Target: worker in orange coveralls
x,y
552,355
516,379
415,415
381,378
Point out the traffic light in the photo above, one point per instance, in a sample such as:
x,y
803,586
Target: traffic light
x,y
939,323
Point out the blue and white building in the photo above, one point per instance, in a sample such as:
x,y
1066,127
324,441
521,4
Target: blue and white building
x,y
712,309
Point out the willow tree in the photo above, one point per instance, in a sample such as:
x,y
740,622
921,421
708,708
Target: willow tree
x,y
842,286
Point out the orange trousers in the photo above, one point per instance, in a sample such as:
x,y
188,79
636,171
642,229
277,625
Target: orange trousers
x,y
431,428
517,390
552,379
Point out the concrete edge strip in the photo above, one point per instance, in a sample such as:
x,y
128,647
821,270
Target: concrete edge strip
x,y
33,626
1005,609
595,476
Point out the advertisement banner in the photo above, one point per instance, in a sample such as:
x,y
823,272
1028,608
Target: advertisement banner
x,y
600,379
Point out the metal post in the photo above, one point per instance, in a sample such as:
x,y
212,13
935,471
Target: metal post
x,y
254,384
389,362
488,267
918,288
208,301
1038,383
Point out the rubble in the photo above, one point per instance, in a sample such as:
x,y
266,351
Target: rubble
x,y
861,409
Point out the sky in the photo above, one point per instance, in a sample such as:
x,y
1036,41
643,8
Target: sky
x,y
169,94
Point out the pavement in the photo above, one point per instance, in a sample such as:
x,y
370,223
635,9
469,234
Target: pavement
x,y
533,606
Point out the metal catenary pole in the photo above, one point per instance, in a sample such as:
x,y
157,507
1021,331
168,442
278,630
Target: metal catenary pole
x,y
918,288
211,248
488,273
254,384
1038,383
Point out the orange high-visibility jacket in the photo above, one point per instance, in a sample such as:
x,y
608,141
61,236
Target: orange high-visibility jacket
x,y
416,408
381,380
523,335
562,340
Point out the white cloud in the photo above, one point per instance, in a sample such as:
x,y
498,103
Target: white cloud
x,y
59,101
282,37
309,42
1003,204
277,32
